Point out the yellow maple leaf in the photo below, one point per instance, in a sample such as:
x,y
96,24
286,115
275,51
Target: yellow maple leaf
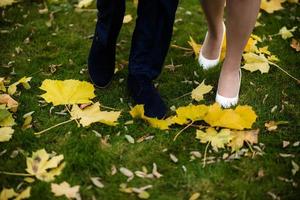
x,y
10,193
197,93
195,46
240,118
24,81
6,118
64,189
217,140
4,3
240,137
6,134
264,50
271,6
138,112
67,92
43,166
254,62
189,113
92,114
287,33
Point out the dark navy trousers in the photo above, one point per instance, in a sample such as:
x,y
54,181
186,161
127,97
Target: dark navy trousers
x,y
151,37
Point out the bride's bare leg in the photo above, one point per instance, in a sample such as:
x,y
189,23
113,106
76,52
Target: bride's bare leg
x,y
213,10
241,17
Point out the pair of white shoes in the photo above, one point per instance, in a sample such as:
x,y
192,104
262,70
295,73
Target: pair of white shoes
x,y
225,102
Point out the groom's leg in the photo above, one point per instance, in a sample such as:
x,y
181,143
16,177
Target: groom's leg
x,y
152,36
101,62
150,43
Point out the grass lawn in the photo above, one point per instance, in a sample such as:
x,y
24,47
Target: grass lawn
x,y
67,42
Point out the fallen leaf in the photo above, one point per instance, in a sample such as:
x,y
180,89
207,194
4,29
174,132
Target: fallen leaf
x,y
129,138
10,193
271,6
197,93
64,189
25,194
9,102
27,121
4,3
173,158
43,166
195,196
240,137
189,113
97,182
295,44
286,33
127,18
84,3
13,87
254,62
92,114
295,167
6,134
285,144
196,47
127,172
67,92
240,118
217,140
272,125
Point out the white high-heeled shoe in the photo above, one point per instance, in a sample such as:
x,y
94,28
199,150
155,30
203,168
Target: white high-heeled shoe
x,y
226,102
209,63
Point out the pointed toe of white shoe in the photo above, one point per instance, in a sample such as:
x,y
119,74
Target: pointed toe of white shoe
x,y
209,63
227,102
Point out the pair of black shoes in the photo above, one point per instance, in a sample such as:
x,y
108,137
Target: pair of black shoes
x,y
101,67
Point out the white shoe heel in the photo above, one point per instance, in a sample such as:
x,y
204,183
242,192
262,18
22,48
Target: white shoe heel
x,y
226,102
209,63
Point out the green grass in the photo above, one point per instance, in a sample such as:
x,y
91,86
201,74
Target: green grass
x,y
84,154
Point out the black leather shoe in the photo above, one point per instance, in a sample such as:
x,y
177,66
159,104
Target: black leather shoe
x,y
101,63
143,92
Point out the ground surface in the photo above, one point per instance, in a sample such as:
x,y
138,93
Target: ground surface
x,y
68,44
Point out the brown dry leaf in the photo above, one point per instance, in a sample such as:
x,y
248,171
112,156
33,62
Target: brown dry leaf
x,y
240,137
272,125
295,44
9,102
64,189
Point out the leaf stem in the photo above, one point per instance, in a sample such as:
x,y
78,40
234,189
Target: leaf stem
x,y
205,153
15,174
56,125
298,81
190,124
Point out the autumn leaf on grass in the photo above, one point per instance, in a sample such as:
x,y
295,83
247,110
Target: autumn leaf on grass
x,y
196,47
272,125
6,134
295,44
64,189
27,120
6,118
240,137
13,87
67,92
2,85
271,5
92,114
4,3
84,3
9,102
190,113
254,62
240,118
43,166
197,93
10,193
286,33
217,140
138,112
127,18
